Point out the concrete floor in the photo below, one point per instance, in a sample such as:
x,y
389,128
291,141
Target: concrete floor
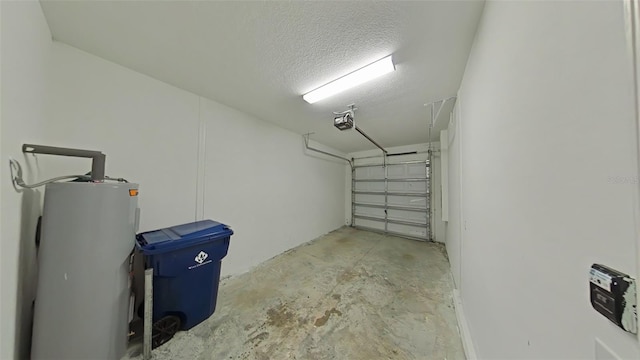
x,y
350,294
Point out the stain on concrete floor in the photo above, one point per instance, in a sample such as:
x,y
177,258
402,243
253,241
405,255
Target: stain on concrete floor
x,y
350,294
321,321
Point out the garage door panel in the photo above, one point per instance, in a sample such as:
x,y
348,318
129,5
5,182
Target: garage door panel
x,y
369,211
413,201
370,186
409,170
376,172
408,230
370,199
409,186
402,207
397,172
413,216
371,224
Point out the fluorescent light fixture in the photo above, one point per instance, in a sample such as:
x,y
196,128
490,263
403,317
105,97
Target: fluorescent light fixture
x,y
348,81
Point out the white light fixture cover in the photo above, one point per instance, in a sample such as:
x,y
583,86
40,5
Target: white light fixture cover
x,y
369,72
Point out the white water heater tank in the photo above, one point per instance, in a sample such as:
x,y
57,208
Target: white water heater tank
x,y
82,304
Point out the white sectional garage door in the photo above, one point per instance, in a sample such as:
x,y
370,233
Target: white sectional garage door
x,y
392,198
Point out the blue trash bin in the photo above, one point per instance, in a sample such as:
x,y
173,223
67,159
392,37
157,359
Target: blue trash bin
x,y
186,262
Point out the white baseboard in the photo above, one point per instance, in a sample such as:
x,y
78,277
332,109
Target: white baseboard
x,y
463,327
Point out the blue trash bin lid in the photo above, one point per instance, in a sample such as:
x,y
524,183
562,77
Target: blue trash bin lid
x,y
181,236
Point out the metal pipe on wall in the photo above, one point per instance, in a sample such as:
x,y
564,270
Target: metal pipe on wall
x,y
434,116
632,17
306,145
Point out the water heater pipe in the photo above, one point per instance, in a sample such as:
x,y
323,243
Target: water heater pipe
x,y
97,157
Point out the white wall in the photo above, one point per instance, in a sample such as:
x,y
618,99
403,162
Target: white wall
x,y
25,45
256,176
260,181
547,174
192,157
438,226
147,129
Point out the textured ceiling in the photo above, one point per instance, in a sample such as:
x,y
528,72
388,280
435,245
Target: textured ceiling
x,y
260,57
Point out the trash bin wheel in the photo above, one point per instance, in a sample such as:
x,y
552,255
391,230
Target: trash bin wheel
x,y
164,329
